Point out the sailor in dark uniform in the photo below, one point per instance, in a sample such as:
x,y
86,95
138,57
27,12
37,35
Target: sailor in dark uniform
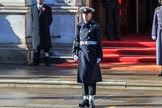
x,y
157,34
87,49
112,14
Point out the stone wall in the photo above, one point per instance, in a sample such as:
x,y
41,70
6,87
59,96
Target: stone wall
x,y
12,31
15,24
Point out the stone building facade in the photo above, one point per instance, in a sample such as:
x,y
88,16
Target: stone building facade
x,y
15,28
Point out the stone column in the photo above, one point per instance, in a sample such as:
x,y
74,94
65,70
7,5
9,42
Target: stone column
x,y
13,31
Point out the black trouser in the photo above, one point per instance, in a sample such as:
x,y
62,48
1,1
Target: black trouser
x,y
36,58
89,89
112,15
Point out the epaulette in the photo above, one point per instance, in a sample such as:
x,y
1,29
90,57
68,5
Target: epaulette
x,y
95,23
81,24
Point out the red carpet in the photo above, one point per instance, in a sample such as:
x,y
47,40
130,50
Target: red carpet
x,y
133,52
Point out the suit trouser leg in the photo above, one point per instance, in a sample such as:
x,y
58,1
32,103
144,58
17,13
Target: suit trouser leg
x,y
46,58
46,51
116,22
89,89
36,58
108,24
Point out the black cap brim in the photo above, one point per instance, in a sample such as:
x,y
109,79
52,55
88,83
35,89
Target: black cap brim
x,y
86,10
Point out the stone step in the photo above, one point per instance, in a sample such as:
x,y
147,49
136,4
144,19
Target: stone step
x,y
70,82
37,106
76,106
69,98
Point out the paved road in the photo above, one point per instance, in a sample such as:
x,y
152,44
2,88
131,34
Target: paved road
x,y
53,77
69,98
42,97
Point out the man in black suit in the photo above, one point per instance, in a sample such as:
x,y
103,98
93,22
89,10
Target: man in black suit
x,y
41,15
112,11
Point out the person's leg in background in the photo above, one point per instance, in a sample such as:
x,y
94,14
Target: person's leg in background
x,y
46,57
116,21
36,57
108,24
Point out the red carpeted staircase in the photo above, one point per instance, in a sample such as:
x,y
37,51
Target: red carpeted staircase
x,y
133,52
126,51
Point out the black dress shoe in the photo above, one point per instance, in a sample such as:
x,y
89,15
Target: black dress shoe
x,y
110,39
91,104
84,103
47,64
47,61
160,74
117,38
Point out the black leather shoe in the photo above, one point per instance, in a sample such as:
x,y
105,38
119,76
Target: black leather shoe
x,y
117,38
110,39
160,74
47,62
85,103
91,104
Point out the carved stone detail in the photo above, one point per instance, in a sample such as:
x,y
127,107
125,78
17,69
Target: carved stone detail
x,y
68,2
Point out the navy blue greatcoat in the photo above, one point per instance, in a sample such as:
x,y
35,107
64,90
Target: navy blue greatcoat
x,y
88,68
157,33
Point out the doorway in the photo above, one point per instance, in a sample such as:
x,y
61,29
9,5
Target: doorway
x,y
136,15
140,15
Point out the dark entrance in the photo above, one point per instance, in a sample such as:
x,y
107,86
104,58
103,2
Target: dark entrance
x,y
140,15
136,17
